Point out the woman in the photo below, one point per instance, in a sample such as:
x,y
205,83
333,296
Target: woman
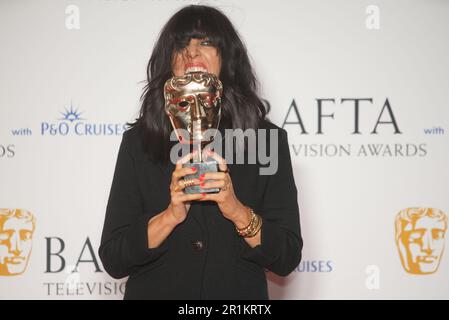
x,y
174,245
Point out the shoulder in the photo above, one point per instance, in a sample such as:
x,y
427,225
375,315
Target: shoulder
x,y
268,125
133,132
132,138
280,137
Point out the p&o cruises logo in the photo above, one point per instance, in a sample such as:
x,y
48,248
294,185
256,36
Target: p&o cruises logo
x,y
72,122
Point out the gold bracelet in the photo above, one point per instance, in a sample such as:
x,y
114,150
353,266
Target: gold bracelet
x,y
253,226
255,230
251,221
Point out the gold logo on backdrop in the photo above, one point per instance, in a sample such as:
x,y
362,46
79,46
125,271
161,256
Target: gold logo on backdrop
x,y
420,239
16,235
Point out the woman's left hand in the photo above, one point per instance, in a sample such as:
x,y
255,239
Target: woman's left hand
x,y
227,201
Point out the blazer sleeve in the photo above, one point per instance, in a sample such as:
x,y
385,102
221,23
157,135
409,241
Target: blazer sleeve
x,y
281,241
124,241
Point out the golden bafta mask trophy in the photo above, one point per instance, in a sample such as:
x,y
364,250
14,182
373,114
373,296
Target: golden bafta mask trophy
x,y
193,104
420,237
16,239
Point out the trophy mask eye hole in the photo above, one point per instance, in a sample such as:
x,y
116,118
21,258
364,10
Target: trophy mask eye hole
x,y
208,100
183,105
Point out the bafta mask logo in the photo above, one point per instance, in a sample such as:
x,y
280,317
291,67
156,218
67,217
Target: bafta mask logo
x,y
420,239
16,235
193,105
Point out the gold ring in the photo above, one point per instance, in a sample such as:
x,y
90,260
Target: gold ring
x,y
185,184
188,182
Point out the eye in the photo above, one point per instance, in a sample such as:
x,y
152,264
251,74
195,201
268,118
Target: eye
x,y
206,100
183,105
5,235
207,43
415,237
25,235
437,234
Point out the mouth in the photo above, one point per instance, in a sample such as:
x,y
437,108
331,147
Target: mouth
x,y
427,259
195,67
15,260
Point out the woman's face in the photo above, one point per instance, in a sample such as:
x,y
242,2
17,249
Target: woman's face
x,y
198,55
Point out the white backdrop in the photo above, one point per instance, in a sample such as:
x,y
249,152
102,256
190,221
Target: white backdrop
x,y
89,57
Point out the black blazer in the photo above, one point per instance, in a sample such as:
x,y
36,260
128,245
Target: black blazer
x,y
204,257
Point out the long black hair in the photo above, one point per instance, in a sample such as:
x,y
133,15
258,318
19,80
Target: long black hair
x,y
241,106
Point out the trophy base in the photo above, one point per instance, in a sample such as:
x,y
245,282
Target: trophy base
x,y
201,167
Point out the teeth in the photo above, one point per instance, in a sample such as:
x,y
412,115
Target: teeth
x,y
196,69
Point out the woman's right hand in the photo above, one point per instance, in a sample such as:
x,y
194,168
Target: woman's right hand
x,y
180,201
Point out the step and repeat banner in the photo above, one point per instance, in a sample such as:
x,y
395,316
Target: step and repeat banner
x,y
361,87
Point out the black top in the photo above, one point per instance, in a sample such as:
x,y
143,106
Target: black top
x,y
204,257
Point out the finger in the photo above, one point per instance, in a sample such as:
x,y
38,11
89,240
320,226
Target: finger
x,y
185,159
221,162
179,173
210,197
189,197
213,184
213,176
180,185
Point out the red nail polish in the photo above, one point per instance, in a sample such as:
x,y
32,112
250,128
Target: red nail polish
x,y
202,176
202,184
203,194
193,168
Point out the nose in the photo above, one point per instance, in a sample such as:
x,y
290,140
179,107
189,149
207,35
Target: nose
x,y
427,243
196,110
192,50
16,247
